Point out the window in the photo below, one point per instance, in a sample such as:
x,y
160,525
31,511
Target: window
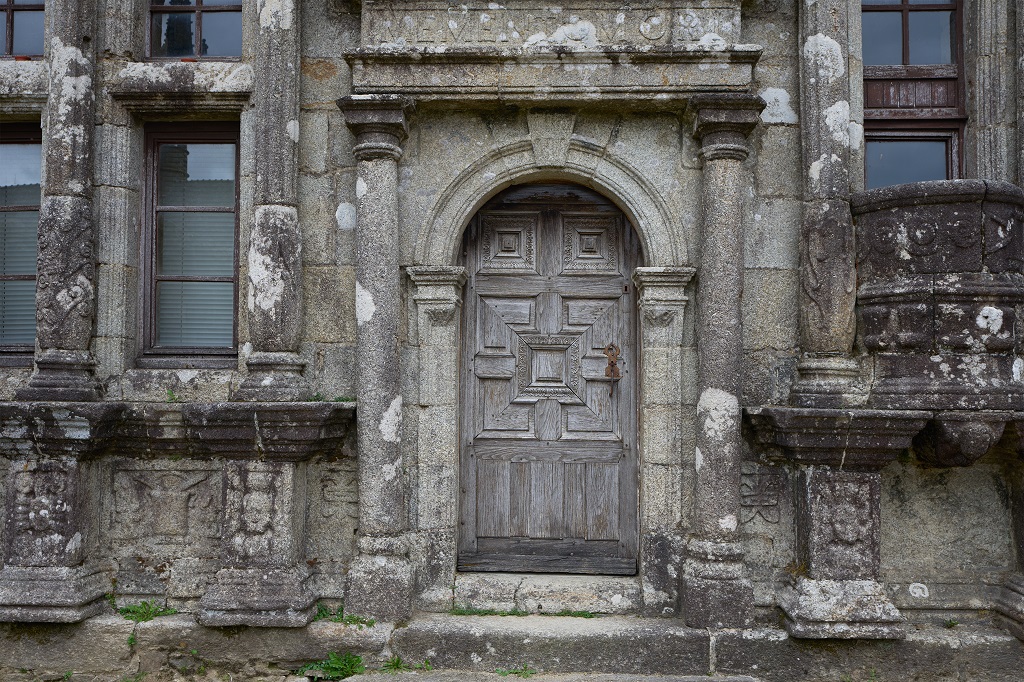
x,y
21,154
190,257
195,28
23,28
913,90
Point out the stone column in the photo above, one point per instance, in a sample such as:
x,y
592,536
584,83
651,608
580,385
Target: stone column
x,y
66,264
263,581
274,299
828,279
716,589
380,579
437,294
664,363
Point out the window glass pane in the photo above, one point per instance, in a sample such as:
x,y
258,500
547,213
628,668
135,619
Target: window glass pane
x,y
18,242
931,37
20,166
195,314
196,244
18,323
3,35
882,38
222,34
28,33
173,3
882,2
173,34
893,162
222,2
197,175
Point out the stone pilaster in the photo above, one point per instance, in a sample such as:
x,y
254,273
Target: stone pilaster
x,y
662,299
49,571
66,264
380,579
827,375
275,299
835,591
437,295
263,579
1010,600
716,589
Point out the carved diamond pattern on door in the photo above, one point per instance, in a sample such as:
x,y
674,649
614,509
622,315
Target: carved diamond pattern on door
x,y
549,477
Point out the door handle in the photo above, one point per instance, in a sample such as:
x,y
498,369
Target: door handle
x,y
612,352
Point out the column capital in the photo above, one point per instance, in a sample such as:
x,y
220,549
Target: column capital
x,y
722,122
378,122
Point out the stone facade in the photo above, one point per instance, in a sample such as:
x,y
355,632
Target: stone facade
x,y
829,382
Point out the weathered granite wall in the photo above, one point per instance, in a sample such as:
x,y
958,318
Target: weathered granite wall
x,y
394,134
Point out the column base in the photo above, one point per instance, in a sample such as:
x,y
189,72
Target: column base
x,y
275,597
840,609
62,375
828,381
380,587
716,592
50,594
1010,605
274,377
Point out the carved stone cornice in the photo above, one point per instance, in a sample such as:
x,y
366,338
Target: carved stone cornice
x,y
862,440
379,124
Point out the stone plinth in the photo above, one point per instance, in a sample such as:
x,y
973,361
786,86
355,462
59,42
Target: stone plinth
x,y
836,593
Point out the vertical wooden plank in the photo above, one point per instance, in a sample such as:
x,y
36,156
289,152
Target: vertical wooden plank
x,y
547,484
602,501
574,501
492,497
519,499
549,419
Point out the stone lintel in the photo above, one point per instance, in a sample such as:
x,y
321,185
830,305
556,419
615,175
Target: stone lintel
x,y
857,439
207,86
840,609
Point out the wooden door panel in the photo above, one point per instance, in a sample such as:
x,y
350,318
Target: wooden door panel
x,y
549,479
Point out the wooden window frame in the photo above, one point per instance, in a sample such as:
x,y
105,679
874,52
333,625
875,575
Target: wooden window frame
x,y
899,82
198,10
923,130
9,8
182,356
19,355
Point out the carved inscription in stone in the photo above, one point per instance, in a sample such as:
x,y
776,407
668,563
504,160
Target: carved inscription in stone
x,y
538,24
760,491
159,509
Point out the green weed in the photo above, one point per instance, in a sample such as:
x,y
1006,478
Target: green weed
x,y
145,611
325,612
334,667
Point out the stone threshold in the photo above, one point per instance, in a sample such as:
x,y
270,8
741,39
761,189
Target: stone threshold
x,y
464,648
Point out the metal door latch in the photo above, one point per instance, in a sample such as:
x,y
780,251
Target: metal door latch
x,y
612,352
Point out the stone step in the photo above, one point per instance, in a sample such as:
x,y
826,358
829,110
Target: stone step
x,y
474,648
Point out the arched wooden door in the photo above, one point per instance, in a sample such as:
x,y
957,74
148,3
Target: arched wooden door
x,y
549,463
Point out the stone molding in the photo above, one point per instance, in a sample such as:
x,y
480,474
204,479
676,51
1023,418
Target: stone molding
x,y
379,124
659,77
